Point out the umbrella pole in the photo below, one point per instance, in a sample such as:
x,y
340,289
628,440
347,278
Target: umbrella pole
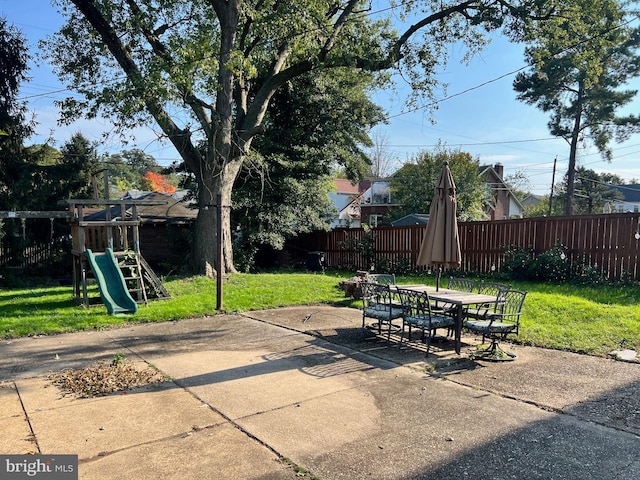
x,y
438,275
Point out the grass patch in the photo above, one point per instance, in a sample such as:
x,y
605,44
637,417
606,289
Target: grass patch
x,y
591,320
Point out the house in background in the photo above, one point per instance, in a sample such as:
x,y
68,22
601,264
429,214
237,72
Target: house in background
x,y
347,198
370,201
504,204
532,200
376,203
367,202
630,201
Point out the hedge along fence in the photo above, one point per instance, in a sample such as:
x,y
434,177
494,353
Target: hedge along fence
x,y
609,243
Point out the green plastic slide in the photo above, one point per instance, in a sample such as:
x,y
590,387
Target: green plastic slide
x,y
113,288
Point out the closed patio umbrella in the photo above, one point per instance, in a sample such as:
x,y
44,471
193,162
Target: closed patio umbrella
x,y
441,244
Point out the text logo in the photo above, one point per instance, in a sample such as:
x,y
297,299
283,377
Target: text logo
x,y
41,467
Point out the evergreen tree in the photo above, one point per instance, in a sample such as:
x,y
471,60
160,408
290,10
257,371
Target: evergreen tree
x,y
15,161
315,124
592,190
580,60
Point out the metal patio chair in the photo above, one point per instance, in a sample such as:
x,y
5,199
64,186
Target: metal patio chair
x,y
382,278
418,314
455,283
462,284
486,288
380,303
503,321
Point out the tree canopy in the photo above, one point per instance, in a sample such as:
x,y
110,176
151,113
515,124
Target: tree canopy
x,y
127,170
580,61
14,159
413,184
314,123
156,182
71,176
206,71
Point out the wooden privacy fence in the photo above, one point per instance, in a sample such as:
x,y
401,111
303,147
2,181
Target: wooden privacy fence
x,y
608,242
34,244
31,257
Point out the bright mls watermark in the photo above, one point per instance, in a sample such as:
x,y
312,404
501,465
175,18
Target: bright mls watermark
x,y
41,467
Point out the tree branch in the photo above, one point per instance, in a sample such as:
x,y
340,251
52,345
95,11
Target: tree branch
x,y
180,138
197,106
338,26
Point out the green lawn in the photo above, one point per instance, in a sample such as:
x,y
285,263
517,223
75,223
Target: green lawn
x,y
592,320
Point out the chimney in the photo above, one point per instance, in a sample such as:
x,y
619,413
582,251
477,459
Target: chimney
x,y
499,168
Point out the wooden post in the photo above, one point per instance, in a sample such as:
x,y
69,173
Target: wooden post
x,y
136,232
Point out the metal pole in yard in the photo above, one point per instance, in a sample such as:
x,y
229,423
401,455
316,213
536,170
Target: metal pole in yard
x,y
220,253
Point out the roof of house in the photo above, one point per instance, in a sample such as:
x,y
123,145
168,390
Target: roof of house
x,y
173,211
491,170
341,200
631,192
346,186
412,219
532,199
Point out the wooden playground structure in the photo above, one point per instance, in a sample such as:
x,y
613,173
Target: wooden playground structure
x,y
118,231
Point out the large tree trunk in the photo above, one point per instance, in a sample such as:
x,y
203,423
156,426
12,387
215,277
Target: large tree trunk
x,y
570,206
205,241
219,170
204,253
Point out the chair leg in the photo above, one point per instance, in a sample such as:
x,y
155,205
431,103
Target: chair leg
x,y
494,353
364,327
428,342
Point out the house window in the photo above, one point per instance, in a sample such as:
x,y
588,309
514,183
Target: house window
x,y
375,220
380,193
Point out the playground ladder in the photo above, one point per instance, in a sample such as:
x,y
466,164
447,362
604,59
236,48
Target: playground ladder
x,y
132,270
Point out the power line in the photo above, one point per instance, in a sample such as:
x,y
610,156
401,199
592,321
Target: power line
x,y
45,94
477,143
504,75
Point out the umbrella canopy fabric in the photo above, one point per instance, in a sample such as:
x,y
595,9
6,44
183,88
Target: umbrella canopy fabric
x,y
441,244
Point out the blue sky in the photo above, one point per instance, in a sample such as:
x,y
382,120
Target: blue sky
x,y
486,121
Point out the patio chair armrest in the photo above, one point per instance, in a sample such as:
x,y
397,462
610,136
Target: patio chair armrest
x,y
501,317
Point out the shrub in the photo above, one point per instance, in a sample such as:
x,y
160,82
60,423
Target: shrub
x,y
363,248
552,265
384,265
244,257
518,262
403,267
583,273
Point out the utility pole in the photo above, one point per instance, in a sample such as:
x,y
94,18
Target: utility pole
x,y
553,181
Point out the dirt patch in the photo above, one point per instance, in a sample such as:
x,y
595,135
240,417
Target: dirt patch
x,y
105,378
